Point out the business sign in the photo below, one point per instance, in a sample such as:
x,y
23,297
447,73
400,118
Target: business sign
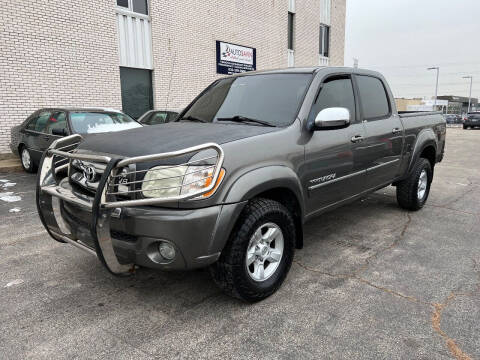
x,y
232,58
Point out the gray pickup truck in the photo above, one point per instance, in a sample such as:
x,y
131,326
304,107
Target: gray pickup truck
x,y
231,182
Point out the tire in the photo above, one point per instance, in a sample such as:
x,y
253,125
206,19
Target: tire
x,y
27,160
231,272
409,191
465,127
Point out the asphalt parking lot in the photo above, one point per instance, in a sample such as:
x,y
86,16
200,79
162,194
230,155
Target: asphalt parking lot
x,y
372,281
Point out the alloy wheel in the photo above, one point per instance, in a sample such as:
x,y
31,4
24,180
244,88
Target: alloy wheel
x,y
422,184
264,252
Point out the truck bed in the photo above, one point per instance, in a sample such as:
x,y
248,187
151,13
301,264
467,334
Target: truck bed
x,y
405,114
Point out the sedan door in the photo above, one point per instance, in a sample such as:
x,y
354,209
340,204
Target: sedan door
x,y
36,137
333,171
382,150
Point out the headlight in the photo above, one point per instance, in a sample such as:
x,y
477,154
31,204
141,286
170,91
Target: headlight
x,y
165,181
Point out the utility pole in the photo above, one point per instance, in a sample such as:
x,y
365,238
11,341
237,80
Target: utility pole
x,y
470,94
355,63
436,86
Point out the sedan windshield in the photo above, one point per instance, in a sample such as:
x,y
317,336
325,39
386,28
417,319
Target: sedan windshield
x,y
270,98
98,122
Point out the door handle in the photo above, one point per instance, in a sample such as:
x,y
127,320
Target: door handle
x,y
357,138
396,131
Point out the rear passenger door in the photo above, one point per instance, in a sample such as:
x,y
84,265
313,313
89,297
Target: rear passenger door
x,y
36,134
384,132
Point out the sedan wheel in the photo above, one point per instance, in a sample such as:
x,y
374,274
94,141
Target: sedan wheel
x,y
27,162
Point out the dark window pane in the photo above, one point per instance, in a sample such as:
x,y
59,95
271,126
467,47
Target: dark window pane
x,y
57,121
290,31
324,37
335,93
140,6
373,97
122,3
41,123
137,95
327,41
32,123
272,98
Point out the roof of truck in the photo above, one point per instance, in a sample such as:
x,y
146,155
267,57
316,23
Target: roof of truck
x,y
308,70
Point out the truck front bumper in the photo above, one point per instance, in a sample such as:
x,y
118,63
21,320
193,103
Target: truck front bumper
x,y
197,235
125,233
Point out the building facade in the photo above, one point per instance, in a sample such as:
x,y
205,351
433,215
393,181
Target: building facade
x,y
137,55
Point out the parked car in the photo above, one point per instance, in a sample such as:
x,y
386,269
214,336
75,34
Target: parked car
x,y
451,118
30,139
471,120
230,184
154,117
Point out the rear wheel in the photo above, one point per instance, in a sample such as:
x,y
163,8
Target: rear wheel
x,y
26,159
259,254
412,193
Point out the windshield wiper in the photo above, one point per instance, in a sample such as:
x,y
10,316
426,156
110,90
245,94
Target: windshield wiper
x,y
193,118
244,119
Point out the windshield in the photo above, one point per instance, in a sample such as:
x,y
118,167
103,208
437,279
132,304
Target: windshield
x,y
98,122
272,98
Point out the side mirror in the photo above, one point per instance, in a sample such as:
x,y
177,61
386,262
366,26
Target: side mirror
x,y
59,131
332,118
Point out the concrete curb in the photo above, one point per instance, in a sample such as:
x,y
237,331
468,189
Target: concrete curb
x,y
10,165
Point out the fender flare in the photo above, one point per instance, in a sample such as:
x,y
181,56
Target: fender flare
x,y
424,139
259,180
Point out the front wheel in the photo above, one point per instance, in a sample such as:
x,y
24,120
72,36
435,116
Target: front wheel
x,y
259,253
412,193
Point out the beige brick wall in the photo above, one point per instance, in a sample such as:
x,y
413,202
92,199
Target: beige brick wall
x,y
56,53
184,34
65,53
337,37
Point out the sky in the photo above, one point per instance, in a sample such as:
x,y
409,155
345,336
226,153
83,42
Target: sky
x,y
402,38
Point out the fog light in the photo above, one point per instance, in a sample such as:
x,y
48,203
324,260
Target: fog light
x,y
166,250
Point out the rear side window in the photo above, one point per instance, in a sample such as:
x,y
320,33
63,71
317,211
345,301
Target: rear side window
x,y
39,123
336,92
57,121
373,97
160,117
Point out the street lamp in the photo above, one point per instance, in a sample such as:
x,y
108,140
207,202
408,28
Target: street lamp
x,y
436,86
470,95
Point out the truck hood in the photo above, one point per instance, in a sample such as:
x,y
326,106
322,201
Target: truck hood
x,y
168,137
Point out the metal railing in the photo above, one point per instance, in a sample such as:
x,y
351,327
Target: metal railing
x,y
52,189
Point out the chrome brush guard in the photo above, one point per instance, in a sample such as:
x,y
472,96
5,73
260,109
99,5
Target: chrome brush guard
x,y
50,193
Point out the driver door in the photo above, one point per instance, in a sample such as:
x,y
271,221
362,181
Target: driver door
x,y
334,170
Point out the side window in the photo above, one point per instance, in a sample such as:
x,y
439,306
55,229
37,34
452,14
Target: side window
x,y
373,97
158,118
39,123
57,121
32,123
335,92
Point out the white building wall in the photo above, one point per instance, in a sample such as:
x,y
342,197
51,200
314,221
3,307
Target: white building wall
x,y
66,53
56,53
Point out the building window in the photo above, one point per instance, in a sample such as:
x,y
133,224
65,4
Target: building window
x,y
138,6
137,92
324,44
290,30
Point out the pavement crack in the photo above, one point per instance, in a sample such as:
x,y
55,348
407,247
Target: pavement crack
x,y
389,247
436,324
363,281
